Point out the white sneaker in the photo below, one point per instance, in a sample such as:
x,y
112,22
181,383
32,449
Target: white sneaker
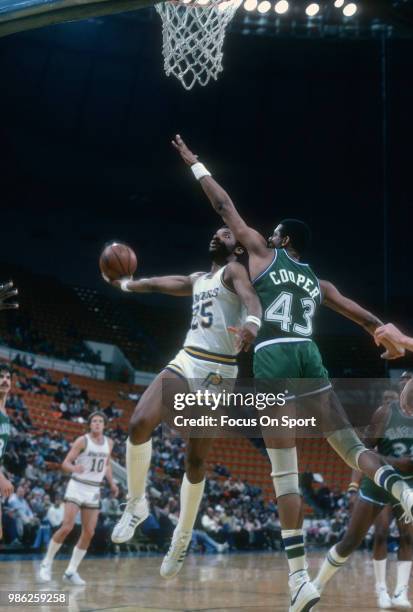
x,y
304,595
222,547
400,601
135,513
406,501
383,598
74,579
175,557
45,572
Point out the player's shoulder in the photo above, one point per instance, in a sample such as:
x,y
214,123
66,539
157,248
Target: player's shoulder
x,y
196,276
234,269
382,413
81,442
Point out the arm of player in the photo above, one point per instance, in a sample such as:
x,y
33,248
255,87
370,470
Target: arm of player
x,y
109,477
6,487
179,286
68,464
332,298
375,429
252,240
236,277
391,333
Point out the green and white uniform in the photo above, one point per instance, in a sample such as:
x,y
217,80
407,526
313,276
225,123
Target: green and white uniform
x,y
285,352
4,433
4,438
396,441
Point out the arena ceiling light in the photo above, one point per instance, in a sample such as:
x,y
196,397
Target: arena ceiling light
x,y
281,7
339,3
250,5
312,9
264,7
350,9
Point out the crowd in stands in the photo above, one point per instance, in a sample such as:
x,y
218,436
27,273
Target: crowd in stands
x,y
233,514
21,335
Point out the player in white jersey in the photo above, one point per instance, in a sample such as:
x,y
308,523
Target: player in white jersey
x,y
222,299
88,463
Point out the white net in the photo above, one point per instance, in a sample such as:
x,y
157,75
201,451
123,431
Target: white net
x,y
193,35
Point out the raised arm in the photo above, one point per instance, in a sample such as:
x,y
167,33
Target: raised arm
x,y
179,286
332,298
236,277
252,240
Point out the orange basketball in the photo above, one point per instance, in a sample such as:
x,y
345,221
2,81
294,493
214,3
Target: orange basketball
x,y
118,261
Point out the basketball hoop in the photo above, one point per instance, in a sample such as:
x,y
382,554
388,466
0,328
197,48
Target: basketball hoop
x,y
193,35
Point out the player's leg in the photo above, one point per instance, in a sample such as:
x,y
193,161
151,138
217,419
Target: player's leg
x,y
347,444
363,516
192,489
146,417
400,599
70,511
89,518
277,367
381,533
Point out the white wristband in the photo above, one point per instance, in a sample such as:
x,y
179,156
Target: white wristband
x,y
253,319
199,171
124,284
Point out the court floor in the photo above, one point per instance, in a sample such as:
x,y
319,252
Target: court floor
x,y
219,583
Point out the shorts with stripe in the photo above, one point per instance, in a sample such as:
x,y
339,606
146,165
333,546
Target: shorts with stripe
x,y
82,494
290,364
204,370
373,494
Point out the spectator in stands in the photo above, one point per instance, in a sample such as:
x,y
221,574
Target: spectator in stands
x,y
24,517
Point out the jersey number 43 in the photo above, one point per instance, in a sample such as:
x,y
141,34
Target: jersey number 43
x,y
281,311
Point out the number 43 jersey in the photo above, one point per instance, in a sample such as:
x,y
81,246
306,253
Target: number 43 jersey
x,y
214,308
94,459
290,293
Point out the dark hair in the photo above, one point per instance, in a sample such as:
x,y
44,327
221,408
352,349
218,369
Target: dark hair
x,y
299,233
97,413
6,367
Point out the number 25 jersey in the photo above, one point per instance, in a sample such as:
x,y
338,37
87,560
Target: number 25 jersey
x,y
214,308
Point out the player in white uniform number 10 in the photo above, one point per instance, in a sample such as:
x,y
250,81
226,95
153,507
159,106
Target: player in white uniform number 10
x,y
88,463
207,360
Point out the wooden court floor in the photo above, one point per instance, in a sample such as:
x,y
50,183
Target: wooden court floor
x,y
219,583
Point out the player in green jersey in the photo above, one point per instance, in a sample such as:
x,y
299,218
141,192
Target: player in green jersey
x,y
285,350
391,432
6,487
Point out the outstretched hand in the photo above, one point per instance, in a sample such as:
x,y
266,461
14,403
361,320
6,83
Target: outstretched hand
x,y
245,336
392,339
186,154
7,292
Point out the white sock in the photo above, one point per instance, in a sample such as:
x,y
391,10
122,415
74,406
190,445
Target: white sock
x,y
380,573
190,498
138,461
77,556
331,564
293,540
52,550
403,574
387,478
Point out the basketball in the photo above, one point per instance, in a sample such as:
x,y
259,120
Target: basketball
x,y
117,261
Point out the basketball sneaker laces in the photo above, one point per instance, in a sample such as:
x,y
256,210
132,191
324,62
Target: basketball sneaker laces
x,y
179,547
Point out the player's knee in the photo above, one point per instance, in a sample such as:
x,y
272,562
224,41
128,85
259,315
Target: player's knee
x,y
139,428
194,464
66,528
87,533
380,537
406,539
